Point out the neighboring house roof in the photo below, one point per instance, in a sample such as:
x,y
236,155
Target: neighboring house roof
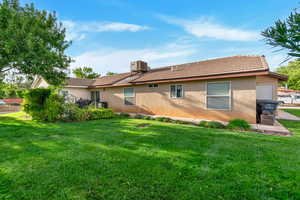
x,y
228,67
12,100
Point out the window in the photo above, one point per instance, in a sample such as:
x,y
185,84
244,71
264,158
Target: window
x,y
218,96
129,97
95,96
153,85
176,91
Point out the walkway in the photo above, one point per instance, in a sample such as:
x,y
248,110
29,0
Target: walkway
x,y
286,116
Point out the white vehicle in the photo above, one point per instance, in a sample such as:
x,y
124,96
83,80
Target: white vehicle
x,y
289,99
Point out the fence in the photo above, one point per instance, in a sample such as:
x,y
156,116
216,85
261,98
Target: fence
x,y
10,108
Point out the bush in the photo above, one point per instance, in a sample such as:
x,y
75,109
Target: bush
x,y
54,107
100,113
148,118
238,124
211,124
35,103
124,114
139,116
203,124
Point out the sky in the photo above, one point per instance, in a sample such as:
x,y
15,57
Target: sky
x,y
108,34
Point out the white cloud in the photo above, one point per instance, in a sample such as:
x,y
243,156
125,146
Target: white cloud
x,y
118,60
206,27
78,30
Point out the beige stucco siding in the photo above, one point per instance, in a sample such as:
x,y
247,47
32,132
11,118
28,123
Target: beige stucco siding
x,y
193,104
83,93
267,80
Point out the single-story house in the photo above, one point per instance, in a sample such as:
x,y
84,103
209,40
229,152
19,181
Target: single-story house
x,y
216,89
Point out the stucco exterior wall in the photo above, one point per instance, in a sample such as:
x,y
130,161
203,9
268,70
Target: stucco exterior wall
x,y
192,105
79,92
267,80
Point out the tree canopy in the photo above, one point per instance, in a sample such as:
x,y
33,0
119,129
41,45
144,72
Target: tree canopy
x,y
32,42
285,34
110,73
85,72
293,71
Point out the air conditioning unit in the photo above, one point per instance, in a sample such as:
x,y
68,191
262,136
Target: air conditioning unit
x,y
139,66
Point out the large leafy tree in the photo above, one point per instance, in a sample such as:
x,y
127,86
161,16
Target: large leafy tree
x,y
285,34
293,71
85,72
32,42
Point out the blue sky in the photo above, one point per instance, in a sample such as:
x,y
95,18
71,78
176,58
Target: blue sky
x,y
108,34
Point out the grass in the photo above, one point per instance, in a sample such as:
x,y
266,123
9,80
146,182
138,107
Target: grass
x,y
120,159
295,112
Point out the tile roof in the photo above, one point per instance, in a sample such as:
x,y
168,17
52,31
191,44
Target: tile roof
x,y
79,82
234,64
207,68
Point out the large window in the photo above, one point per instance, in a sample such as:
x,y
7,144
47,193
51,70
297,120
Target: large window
x,y
95,96
176,91
129,97
218,96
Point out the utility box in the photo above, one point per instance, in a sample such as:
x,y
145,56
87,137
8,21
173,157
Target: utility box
x,y
266,111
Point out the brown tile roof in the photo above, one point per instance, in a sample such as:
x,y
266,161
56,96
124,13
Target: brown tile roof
x,y
227,65
111,79
219,68
81,82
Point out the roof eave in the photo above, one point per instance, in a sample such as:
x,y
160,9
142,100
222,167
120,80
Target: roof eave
x,y
185,79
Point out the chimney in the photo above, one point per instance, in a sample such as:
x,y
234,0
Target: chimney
x,y
139,66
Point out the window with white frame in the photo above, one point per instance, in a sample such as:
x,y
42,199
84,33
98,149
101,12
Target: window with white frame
x,y
129,96
176,91
218,96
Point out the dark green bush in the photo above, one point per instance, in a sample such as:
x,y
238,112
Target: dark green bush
x,y
35,103
124,114
211,124
148,118
139,116
238,124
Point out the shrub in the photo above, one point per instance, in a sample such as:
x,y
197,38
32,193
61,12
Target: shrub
x,y
54,107
70,112
238,124
203,124
139,116
100,113
124,114
211,124
35,103
215,124
148,118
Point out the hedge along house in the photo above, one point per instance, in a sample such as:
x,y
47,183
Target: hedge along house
x,y
217,89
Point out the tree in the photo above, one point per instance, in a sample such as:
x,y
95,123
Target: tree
x,y
110,73
293,71
285,34
32,42
85,72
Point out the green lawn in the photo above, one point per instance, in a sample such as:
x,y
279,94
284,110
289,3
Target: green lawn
x,y
295,112
116,159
